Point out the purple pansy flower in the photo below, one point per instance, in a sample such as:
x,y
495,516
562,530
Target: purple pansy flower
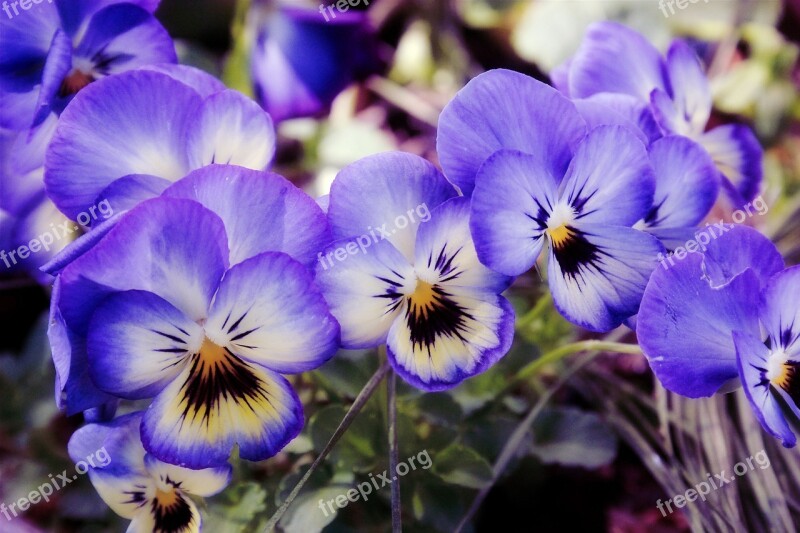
x,y
127,137
137,486
404,273
51,49
301,61
728,316
615,59
537,174
200,299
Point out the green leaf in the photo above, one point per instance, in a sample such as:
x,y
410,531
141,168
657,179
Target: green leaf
x,y
459,465
235,508
358,448
572,437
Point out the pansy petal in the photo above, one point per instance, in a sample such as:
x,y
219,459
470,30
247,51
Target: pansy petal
x,y
80,246
268,311
504,109
114,446
202,82
780,312
56,67
132,123
231,129
513,197
445,251
220,400
751,357
75,15
363,287
122,37
738,155
610,181
138,343
735,249
687,183
690,88
598,273
386,196
75,391
608,109
442,338
684,326
281,217
171,247
205,483
129,191
616,59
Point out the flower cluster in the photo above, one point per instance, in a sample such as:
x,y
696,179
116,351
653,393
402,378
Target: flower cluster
x,y
200,294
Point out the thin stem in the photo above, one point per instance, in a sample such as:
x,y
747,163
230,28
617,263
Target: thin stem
x,y
391,401
358,404
550,357
542,304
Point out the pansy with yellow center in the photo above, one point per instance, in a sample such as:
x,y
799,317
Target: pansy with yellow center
x,y
201,300
598,264
726,317
152,494
404,272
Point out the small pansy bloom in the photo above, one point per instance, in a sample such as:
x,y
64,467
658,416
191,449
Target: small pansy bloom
x,y
154,496
128,137
404,273
615,59
51,50
201,300
725,317
546,179
303,59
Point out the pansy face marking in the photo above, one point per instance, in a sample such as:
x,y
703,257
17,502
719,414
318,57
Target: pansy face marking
x,y
421,290
155,496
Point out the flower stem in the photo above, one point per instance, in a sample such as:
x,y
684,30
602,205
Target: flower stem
x,y
542,305
358,404
391,400
550,357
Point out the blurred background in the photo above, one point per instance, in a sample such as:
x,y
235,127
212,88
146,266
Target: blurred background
x,y
604,442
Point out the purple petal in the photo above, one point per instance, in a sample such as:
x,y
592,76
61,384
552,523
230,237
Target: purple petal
x,y
138,343
735,249
56,67
269,312
616,59
610,180
231,129
513,196
598,274
386,196
687,183
685,326
122,37
738,155
501,109
751,360
281,217
131,123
